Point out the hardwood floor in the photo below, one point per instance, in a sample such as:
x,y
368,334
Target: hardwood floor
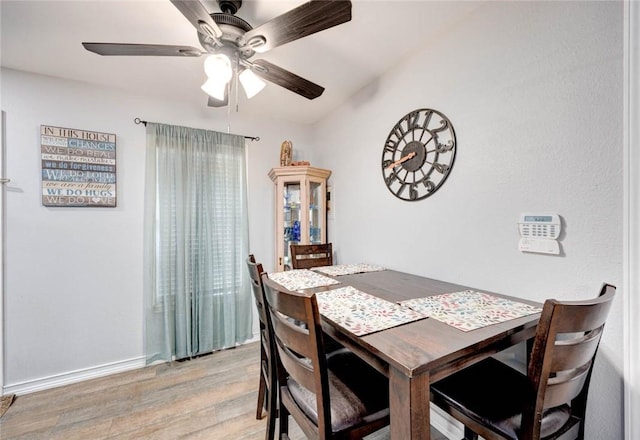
x,y
210,397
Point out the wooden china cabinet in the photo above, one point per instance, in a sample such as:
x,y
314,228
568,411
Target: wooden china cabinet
x,y
301,209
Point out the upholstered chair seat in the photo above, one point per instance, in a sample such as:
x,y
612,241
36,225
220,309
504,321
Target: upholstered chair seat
x,y
503,415
366,396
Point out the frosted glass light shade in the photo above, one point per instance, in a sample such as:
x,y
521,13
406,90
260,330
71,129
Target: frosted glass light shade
x,y
219,72
214,88
251,84
218,66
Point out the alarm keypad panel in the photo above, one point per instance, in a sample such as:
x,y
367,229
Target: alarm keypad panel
x,y
539,233
542,226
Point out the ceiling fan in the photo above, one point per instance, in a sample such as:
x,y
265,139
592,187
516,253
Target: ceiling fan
x,y
230,42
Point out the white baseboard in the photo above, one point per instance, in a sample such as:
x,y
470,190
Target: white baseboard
x,y
57,380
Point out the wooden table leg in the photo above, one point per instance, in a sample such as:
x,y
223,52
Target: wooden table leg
x,y
409,406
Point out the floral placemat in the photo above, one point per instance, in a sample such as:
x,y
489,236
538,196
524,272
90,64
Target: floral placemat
x,y
299,279
348,269
362,313
470,310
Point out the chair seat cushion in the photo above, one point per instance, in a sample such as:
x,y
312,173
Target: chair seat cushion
x,y
494,394
358,392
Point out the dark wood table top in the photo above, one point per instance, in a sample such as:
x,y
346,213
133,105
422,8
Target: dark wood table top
x,y
428,344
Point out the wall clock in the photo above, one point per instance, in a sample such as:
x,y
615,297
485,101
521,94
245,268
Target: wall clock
x,y
418,154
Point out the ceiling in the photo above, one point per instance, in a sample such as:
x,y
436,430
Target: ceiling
x,y
45,37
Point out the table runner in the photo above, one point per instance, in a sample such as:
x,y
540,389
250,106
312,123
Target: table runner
x,y
348,269
299,279
362,313
470,310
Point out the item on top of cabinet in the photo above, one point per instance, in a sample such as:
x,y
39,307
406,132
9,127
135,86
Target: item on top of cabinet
x,y
286,152
300,163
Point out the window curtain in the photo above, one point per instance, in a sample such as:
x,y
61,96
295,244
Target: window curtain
x,y
197,292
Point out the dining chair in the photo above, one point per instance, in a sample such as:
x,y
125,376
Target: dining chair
x,y
306,256
495,401
334,396
268,388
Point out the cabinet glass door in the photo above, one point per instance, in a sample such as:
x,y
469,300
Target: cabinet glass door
x,y
315,213
292,220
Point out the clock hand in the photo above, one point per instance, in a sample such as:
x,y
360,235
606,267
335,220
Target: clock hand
x,y
401,160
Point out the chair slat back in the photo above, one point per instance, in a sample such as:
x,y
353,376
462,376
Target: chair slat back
x,y
566,387
565,345
583,316
297,335
255,272
306,256
569,353
267,388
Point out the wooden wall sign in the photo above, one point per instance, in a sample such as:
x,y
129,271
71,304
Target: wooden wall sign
x,y
78,167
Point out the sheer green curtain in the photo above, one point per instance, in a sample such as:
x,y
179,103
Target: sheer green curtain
x,y
197,292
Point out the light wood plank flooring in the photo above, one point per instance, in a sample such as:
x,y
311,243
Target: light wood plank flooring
x,y
210,397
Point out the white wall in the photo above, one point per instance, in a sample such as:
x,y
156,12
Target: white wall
x,y
534,91
73,297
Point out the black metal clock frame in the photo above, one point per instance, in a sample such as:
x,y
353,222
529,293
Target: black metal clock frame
x,y
418,154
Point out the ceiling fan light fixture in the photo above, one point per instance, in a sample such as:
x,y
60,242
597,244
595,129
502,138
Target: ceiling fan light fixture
x,y
218,67
251,84
215,88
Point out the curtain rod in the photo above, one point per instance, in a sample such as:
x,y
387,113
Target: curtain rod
x,y
139,121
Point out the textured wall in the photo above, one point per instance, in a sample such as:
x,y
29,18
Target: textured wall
x,y
534,91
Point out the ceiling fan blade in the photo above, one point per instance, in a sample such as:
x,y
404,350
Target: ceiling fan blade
x,y
278,75
213,102
307,19
142,49
199,17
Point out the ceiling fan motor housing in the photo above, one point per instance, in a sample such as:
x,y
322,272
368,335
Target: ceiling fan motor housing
x,y
233,29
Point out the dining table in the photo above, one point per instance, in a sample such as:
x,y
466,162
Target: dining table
x,y
423,350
